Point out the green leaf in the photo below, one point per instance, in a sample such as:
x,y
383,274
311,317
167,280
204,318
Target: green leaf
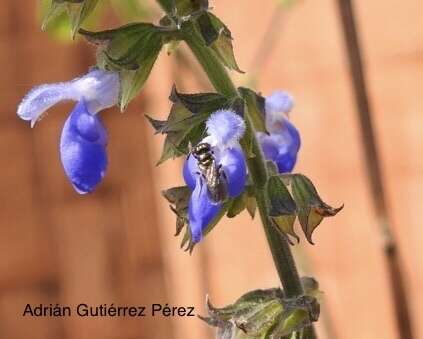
x,y
199,102
133,81
251,206
237,205
58,23
263,314
77,10
167,5
181,128
131,10
247,142
132,50
311,208
255,111
186,121
170,151
182,9
158,125
285,224
190,7
280,200
218,37
54,10
208,59
78,17
178,197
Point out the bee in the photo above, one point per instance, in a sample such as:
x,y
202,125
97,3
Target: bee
x,y
212,173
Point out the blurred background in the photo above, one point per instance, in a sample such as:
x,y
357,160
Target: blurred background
x,y
117,245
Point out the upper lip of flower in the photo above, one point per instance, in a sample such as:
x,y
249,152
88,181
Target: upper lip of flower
x,y
99,88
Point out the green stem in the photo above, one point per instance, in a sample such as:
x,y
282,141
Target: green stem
x,y
279,246
214,69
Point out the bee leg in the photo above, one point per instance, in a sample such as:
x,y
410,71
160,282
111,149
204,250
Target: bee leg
x,y
223,174
202,175
219,169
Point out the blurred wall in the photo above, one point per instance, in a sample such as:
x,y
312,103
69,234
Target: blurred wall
x,y
117,245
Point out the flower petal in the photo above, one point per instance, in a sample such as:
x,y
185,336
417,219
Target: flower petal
x,y
100,89
269,146
279,102
201,211
225,128
40,99
277,105
83,149
281,146
235,168
190,171
294,135
286,162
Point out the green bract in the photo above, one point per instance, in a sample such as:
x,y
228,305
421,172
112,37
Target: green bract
x,y
132,50
78,11
266,314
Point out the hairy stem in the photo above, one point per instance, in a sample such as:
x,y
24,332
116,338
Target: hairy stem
x,y
281,252
215,71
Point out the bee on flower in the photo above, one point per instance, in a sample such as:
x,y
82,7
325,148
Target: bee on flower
x,y
215,170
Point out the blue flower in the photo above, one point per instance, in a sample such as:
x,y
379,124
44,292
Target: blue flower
x,y
224,129
283,142
84,139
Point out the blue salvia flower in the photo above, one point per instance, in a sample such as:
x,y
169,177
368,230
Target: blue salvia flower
x,y
84,139
224,129
283,142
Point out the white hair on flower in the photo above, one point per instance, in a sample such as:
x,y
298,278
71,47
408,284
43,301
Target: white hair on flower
x,y
279,102
225,128
277,107
100,90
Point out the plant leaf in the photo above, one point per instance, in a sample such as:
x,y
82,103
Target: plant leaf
x,y
237,205
251,206
132,50
183,8
199,102
263,314
218,37
285,224
77,10
280,200
186,121
178,197
255,110
311,208
190,7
